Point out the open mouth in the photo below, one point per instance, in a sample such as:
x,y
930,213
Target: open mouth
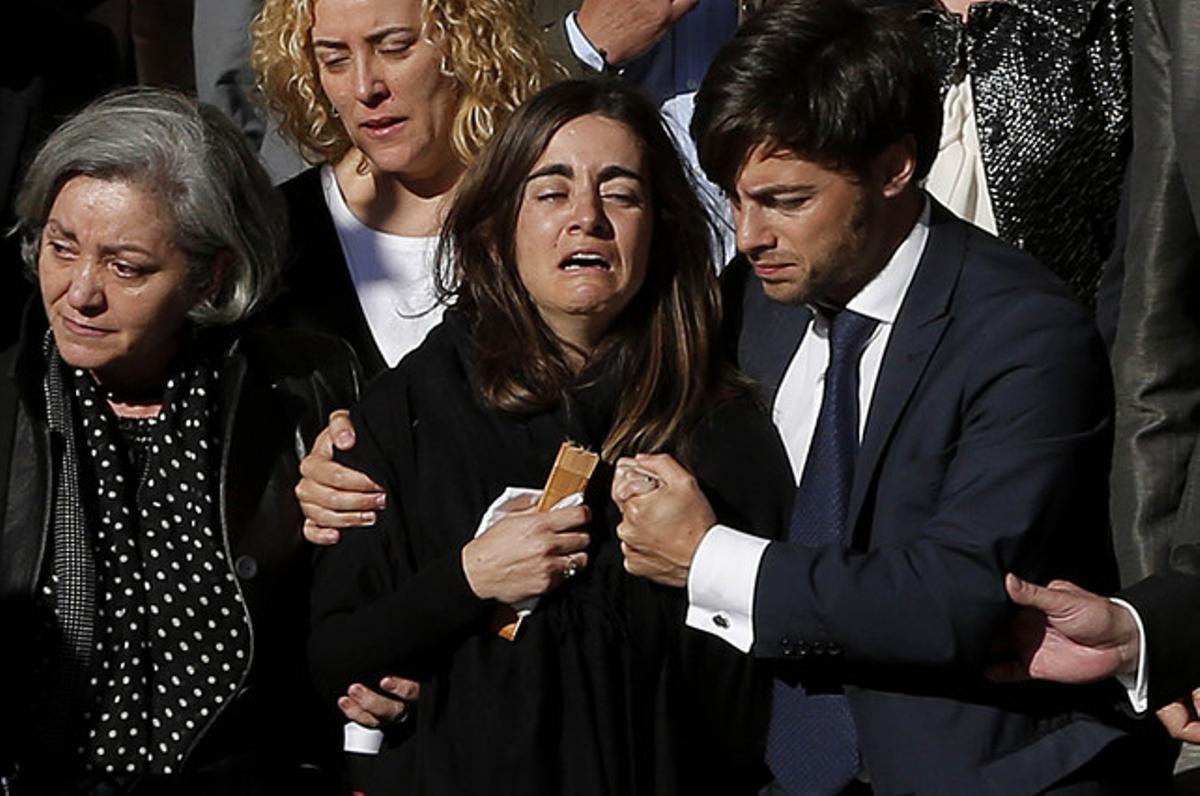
x,y
585,260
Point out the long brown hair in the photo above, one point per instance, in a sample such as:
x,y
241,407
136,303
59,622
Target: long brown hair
x,y
666,344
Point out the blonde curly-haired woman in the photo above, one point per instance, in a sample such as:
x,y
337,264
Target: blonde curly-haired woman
x,y
389,99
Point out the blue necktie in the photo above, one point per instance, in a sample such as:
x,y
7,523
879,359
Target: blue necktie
x,y
812,747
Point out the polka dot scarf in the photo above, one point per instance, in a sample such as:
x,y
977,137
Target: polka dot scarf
x,y
170,634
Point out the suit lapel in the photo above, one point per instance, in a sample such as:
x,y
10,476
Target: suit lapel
x,y
919,327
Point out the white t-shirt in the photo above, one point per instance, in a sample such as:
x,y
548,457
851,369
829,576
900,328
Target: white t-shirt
x,y
393,276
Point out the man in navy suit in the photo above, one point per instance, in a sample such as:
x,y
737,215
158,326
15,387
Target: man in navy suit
x,y
946,406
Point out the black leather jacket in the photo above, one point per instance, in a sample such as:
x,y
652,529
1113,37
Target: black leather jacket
x,y
277,389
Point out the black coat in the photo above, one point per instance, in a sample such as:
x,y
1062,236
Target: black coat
x,y
276,390
604,690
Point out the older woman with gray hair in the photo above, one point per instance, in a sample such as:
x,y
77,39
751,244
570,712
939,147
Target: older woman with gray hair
x,y
151,561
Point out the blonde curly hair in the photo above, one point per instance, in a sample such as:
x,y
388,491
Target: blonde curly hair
x,y
491,46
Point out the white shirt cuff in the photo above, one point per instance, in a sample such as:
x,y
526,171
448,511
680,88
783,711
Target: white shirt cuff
x,y
1137,685
583,48
721,585
361,740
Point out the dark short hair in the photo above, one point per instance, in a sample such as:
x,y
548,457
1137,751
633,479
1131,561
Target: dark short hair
x,y
666,342
834,81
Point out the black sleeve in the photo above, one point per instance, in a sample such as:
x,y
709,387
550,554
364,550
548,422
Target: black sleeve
x,y
374,611
1167,603
739,462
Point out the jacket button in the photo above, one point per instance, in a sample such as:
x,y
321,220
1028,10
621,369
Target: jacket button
x,y
787,648
245,567
721,621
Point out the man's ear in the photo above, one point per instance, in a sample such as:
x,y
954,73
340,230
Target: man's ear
x,y
897,166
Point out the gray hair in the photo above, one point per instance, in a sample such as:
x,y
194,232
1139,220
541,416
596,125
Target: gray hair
x,y
191,157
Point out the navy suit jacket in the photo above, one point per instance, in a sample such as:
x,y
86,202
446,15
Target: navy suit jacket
x,y
986,450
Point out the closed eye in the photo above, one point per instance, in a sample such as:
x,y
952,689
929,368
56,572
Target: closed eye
x,y
60,248
331,54
623,198
788,202
334,62
396,47
126,270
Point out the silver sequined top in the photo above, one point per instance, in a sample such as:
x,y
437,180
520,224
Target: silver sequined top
x,y
1051,80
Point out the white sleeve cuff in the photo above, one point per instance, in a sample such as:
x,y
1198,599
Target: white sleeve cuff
x,y
721,585
1137,685
583,48
361,740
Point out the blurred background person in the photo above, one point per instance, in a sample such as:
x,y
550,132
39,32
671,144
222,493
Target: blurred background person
x,y
38,86
662,46
153,40
1156,358
391,99
1157,355
221,42
152,572
585,307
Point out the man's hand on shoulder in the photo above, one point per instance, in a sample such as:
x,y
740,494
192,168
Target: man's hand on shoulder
x,y
663,526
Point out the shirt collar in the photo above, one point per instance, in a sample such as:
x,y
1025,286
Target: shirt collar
x,y
881,298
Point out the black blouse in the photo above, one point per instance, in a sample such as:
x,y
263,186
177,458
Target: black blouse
x,y
605,690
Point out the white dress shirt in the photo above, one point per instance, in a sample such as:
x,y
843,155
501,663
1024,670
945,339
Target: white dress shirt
x,y
724,571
